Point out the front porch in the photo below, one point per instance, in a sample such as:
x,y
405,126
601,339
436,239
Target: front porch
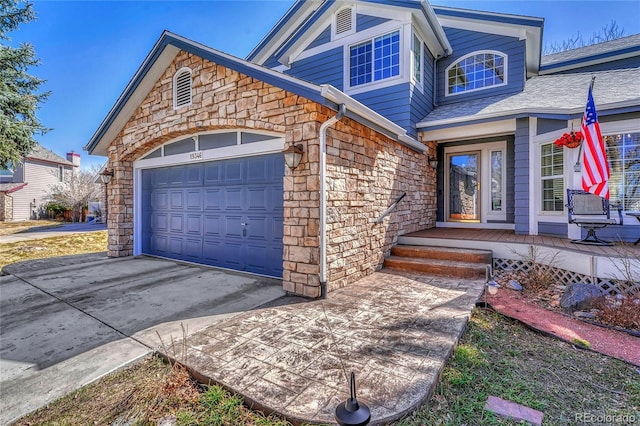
x,y
610,267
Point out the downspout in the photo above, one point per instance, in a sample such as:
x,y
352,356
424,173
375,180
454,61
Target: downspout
x,y
323,197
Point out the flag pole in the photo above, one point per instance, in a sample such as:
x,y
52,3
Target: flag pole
x,y
577,167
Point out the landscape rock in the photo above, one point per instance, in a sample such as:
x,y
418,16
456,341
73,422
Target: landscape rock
x,y
580,297
585,315
514,285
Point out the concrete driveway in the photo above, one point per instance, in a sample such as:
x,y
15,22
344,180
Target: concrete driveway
x,y
65,322
54,231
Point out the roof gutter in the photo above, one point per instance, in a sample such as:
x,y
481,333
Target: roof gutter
x,y
602,108
323,197
398,133
438,31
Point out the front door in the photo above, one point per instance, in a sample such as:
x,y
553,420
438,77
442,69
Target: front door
x,y
475,184
463,203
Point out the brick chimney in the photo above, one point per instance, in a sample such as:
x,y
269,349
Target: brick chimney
x,y
74,157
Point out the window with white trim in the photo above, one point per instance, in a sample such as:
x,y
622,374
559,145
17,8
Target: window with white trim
x,y
182,88
416,59
552,176
623,155
477,71
374,60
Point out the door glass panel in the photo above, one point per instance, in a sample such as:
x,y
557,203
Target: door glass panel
x,y
496,181
464,195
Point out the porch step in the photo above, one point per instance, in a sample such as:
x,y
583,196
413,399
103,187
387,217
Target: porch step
x,y
443,253
445,261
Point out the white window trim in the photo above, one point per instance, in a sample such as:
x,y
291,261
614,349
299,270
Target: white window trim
x,y
418,84
376,84
477,52
354,23
175,87
539,178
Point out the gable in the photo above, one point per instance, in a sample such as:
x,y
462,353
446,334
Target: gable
x,y
318,31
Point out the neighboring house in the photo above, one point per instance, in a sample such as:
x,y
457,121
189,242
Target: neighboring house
x,y
23,189
453,107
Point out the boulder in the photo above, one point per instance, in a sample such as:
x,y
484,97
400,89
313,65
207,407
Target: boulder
x,y
580,297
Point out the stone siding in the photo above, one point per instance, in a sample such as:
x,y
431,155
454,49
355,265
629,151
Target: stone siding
x,y
367,172
366,169
6,207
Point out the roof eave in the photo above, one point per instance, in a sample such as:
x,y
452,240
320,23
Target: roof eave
x,y
622,106
392,129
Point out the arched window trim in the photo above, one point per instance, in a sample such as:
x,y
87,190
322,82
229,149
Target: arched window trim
x,y
477,52
177,75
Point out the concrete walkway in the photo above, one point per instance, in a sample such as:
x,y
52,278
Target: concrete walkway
x,y
395,330
67,321
55,231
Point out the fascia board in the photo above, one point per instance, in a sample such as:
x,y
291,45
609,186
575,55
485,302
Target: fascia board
x,y
289,22
532,35
136,90
602,108
399,133
590,60
156,63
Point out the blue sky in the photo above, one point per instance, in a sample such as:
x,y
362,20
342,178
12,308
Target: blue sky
x,y
90,49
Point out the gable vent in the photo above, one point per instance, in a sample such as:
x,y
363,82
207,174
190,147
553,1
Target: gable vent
x,y
182,88
344,22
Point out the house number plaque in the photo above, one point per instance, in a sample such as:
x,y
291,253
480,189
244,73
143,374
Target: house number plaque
x,y
195,155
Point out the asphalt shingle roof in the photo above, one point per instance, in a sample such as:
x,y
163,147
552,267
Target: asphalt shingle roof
x,y
7,187
593,50
562,93
42,153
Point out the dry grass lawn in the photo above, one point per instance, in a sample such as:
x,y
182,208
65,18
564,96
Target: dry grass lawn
x,y
88,242
496,356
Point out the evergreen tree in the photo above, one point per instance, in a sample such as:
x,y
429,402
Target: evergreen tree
x,y
19,97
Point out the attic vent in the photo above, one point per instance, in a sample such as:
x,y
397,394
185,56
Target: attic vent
x,y
344,21
182,88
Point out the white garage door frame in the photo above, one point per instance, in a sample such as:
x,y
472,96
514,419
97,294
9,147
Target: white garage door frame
x,y
271,146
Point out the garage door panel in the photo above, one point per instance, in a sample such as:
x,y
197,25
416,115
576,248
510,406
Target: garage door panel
x,y
233,199
194,199
258,228
194,175
233,172
193,249
277,229
233,227
177,175
212,226
160,244
194,224
197,213
257,169
177,223
258,197
213,174
176,248
160,199
212,199
256,259
160,222
177,199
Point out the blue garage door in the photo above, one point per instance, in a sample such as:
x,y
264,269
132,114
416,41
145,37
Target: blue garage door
x,y
223,213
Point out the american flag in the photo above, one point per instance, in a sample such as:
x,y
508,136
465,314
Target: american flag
x,y
595,169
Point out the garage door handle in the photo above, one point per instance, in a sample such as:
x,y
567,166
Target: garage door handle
x,y
243,224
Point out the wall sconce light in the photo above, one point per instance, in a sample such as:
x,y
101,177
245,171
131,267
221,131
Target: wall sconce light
x,y
293,156
106,176
433,162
